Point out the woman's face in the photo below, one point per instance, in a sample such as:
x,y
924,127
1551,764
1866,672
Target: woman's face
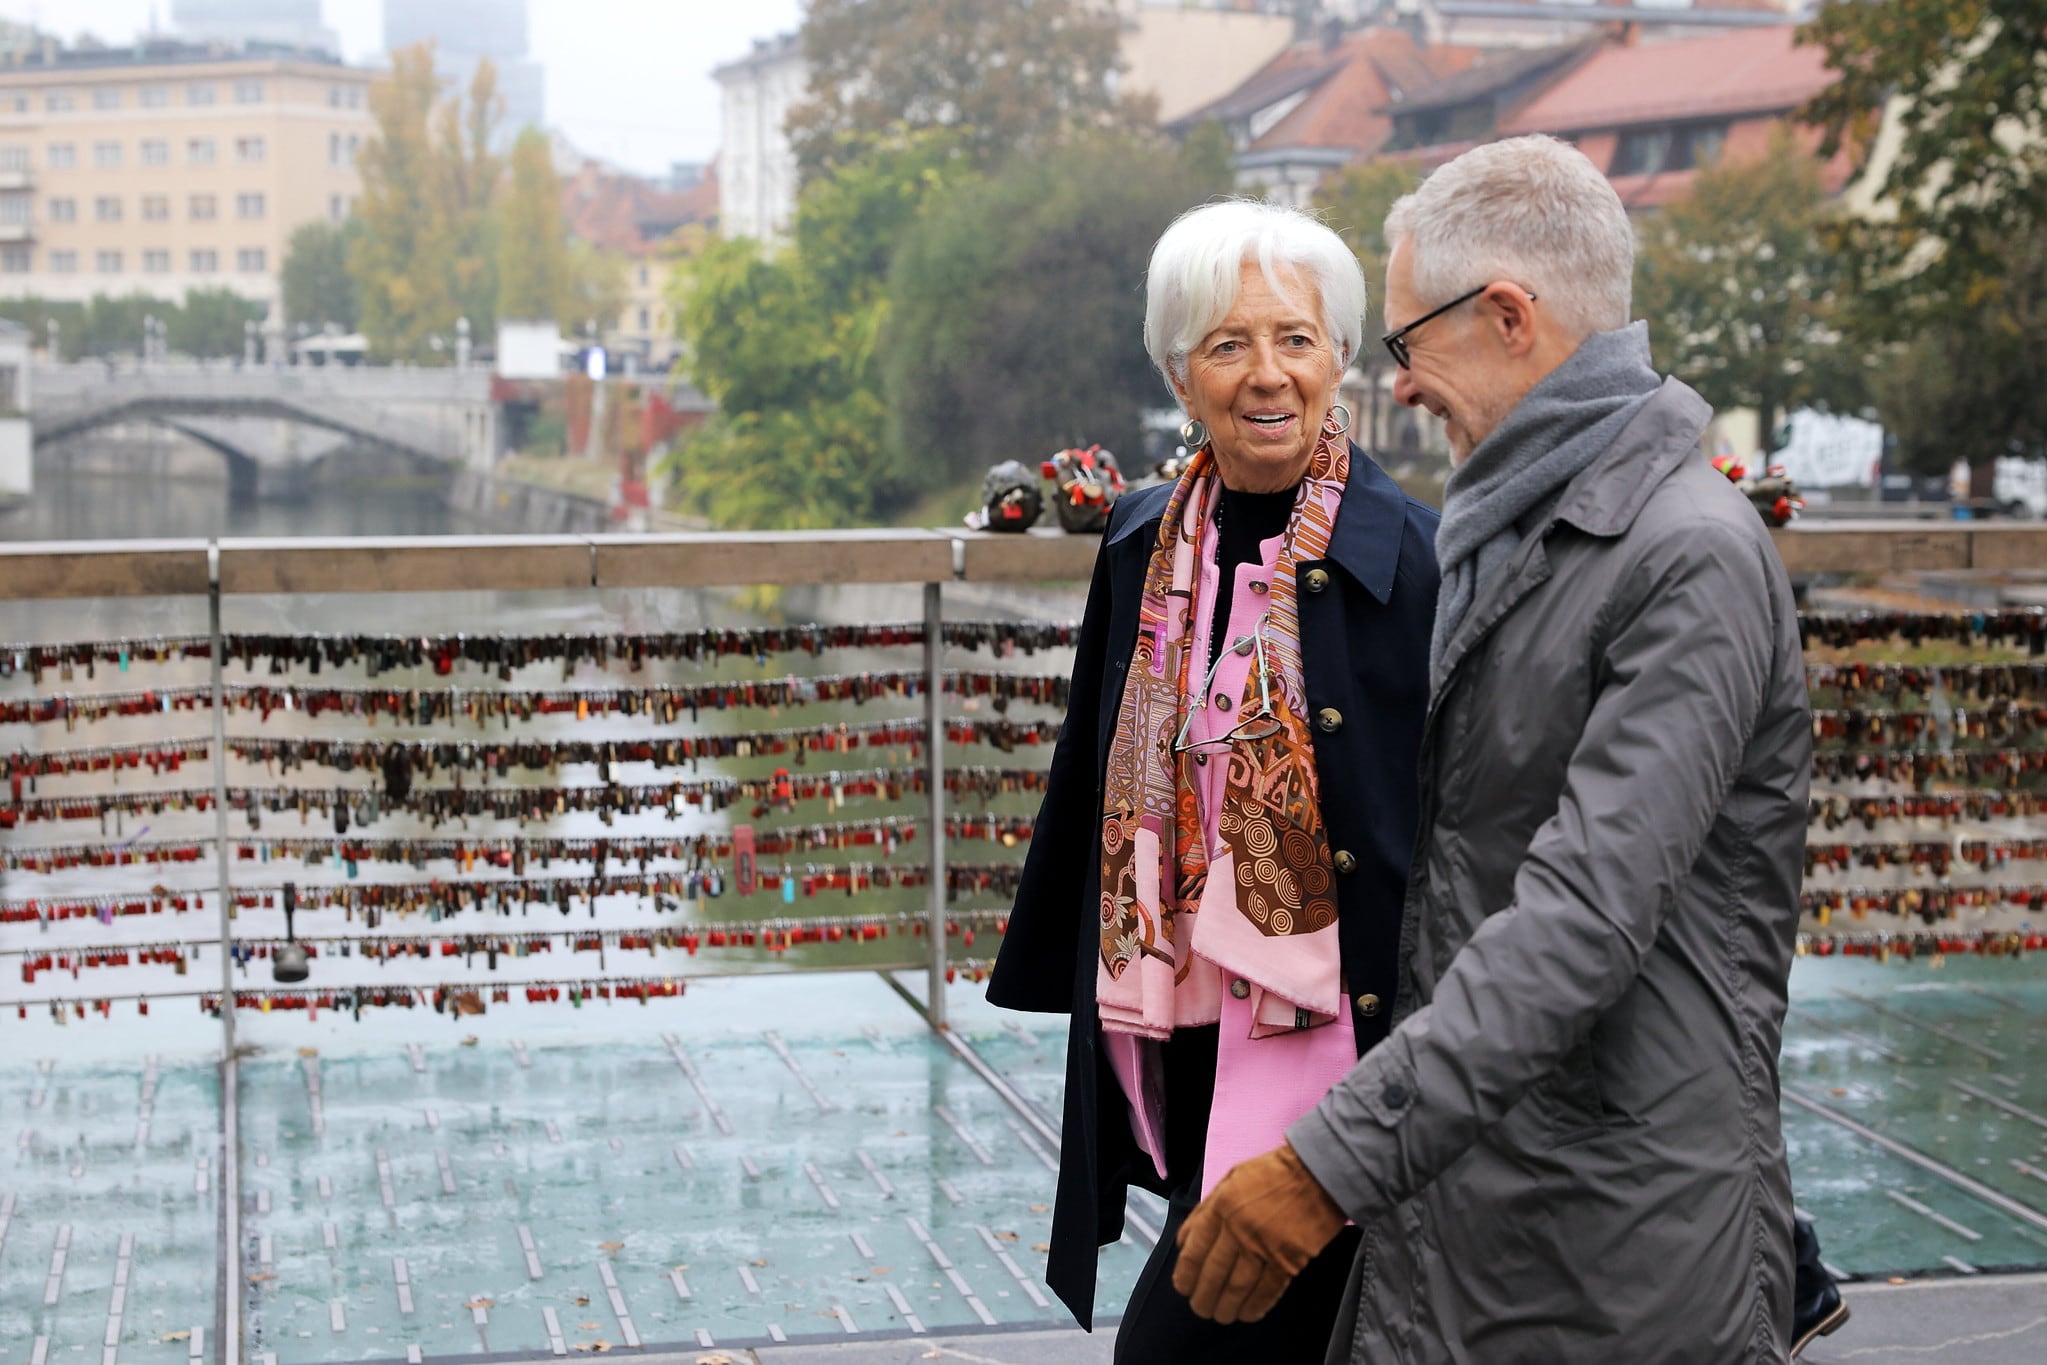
x,y
1262,381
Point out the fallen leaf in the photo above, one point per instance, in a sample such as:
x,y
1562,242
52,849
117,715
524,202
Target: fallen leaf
x,y
1837,1091
470,1041
683,1266
716,1360
1041,1246
1007,1236
582,1299
610,1246
1041,1208
261,1276
1898,1279
600,1347
481,1303
309,1052
586,1327
182,1334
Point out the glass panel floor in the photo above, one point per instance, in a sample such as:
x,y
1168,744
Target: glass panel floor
x,y
777,1158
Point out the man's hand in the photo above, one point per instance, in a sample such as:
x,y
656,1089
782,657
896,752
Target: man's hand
x,y
1259,1227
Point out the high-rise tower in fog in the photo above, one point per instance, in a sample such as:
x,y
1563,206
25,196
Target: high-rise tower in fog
x,y
466,32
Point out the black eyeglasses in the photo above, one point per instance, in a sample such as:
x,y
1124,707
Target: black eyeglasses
x,y
1396,342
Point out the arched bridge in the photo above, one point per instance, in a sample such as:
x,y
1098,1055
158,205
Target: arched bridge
x,y
444,417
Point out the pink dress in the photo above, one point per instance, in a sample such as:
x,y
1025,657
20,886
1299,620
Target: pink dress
x,y
1262,1083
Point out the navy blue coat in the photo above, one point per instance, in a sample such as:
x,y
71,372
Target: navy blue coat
x,y
1365,647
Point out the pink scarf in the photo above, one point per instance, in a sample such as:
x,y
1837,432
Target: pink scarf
x,y
1271,908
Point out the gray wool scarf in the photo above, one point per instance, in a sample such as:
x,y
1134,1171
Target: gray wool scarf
x,y
1564,423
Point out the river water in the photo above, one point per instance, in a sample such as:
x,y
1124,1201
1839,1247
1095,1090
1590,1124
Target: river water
x,y
74,507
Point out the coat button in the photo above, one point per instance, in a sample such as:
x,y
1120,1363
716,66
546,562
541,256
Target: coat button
x,y
1315,580
1345,860
1258,585
1241,988
1329,720
1368,1005
1222,701
1395,1095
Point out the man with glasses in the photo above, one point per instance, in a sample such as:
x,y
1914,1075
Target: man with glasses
x,y
1568,1149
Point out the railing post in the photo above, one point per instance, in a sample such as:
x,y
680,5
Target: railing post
x,y
934,721
228,1326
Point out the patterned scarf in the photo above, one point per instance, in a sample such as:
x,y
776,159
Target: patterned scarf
x,y
1154,860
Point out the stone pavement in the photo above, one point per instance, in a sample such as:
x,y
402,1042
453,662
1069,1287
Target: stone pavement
x,y
1980,1320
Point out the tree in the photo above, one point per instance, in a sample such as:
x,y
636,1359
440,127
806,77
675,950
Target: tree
x,y
1017,310
1966,81
787,348
1743,293
534,275
318,290
1003,77
425,256
1976,390
212,323
1355,202
597,287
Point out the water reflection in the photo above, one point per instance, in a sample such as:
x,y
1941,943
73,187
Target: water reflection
x,y
88,507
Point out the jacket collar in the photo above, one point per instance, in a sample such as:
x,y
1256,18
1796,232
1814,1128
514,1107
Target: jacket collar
x,y
1605,499
1365,542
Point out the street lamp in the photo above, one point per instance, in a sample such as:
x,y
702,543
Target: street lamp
x,y
461,343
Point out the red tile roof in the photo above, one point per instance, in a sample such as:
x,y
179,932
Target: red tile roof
x,y
1750,71
1376,67
625,213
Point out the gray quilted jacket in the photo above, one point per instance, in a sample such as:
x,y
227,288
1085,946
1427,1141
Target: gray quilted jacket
x,y
1568,1151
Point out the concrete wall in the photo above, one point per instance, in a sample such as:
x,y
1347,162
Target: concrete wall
x,y
526,508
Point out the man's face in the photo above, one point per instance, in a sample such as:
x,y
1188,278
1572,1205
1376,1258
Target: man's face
x,y
1453,369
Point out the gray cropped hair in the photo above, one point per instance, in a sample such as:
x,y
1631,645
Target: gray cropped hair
x,y
1196,265
1531,210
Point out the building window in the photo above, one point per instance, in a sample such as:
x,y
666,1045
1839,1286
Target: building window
x,y
63,263
156,208
59,102
14,104
155,96
106,155
108,262
14,158
106,97
1651,151
337,207
14,208
205,261
204,208
198,94
354,146
248,92
63,156
200,151
156,262
156,152
334,149
64,210
646,317
248,206
16,260
107,208
643,279
248,149
250,260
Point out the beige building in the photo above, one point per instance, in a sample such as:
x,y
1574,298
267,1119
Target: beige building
x,y
170,166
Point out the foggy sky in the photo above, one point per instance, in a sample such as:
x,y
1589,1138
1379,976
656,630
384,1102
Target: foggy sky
x,y
627,80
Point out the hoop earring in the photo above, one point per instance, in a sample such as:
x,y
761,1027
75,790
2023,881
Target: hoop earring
x,y
1193,434
1343,427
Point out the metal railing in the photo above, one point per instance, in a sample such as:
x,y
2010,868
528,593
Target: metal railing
x,y
219,571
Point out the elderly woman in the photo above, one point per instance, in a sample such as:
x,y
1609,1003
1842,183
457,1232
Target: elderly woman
x,y
1215,889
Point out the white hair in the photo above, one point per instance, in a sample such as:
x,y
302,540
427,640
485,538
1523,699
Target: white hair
x,y
1532,210
1197,263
